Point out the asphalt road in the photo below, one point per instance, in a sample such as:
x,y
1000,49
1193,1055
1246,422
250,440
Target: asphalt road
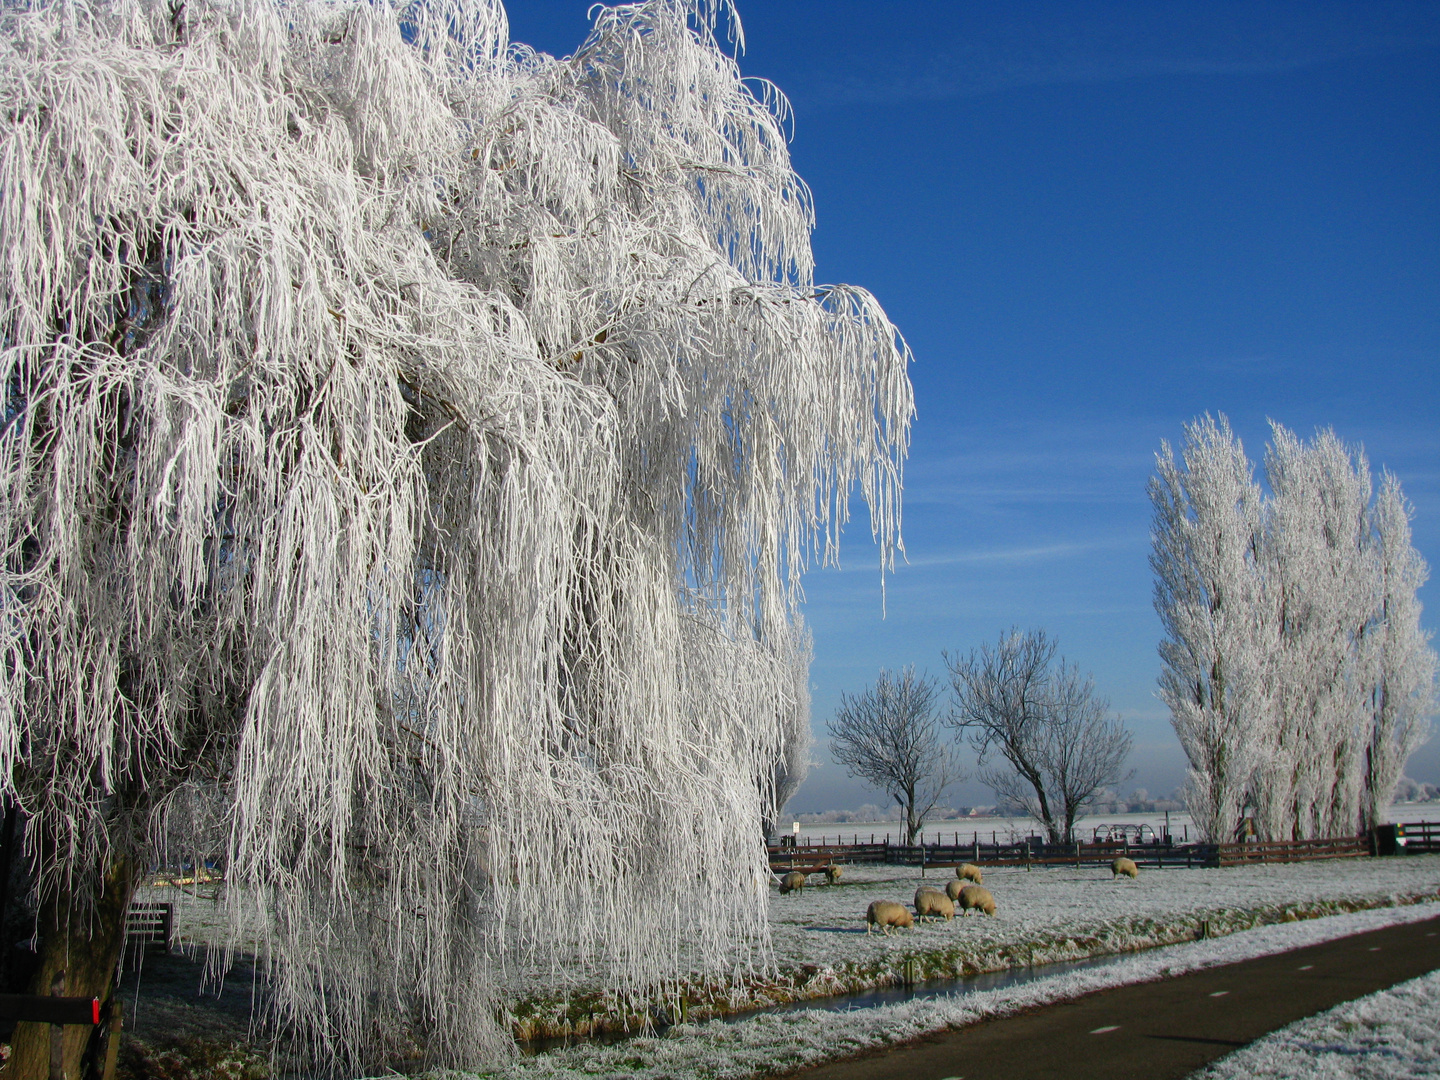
x,y
1155,1030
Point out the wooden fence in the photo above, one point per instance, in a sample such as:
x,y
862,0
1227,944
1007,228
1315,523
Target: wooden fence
x,y
810,858
1034,851
1422,836
1285,851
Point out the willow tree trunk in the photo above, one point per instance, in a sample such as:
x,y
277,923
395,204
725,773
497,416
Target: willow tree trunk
x,y
79,953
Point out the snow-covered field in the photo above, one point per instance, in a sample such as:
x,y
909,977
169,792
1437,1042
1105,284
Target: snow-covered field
x,y
1391,1035
1043,915
1057,913
775,1043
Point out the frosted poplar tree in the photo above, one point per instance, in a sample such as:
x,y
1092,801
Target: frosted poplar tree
x,y
1401,699
411,448
1319,561
1212,599
1293,640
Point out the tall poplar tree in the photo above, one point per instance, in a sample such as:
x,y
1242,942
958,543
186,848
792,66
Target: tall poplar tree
x,y
1297,673
1212,598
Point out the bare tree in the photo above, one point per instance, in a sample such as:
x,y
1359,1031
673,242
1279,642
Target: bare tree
x,y
889,735
1058,743
1085,746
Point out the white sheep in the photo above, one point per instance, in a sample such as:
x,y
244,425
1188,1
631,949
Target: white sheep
x,y
977,898
931,902
794,881
1124,866
969,872
885,914
832,874
952,889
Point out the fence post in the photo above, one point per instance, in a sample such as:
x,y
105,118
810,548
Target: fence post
x,y
57,1032
112,1042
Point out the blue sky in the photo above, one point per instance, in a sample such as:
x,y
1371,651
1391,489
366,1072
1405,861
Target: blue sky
x,y
1094,223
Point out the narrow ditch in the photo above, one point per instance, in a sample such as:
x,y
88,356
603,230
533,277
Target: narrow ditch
x,y
1218,923
859,999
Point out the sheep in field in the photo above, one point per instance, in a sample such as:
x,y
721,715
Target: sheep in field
x,y
931,903
885,914
792,882
952,889
832,874
969,872
1124,866
978,898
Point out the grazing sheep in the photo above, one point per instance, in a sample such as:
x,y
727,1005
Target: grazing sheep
x,y
885,914
832,874
978,898
952,889
971,872
1124,866
794,881
931,902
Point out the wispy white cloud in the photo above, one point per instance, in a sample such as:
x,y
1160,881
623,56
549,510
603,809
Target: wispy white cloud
x,y
1027,553
977,50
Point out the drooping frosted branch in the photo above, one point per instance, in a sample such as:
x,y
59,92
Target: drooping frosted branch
x,y
417,441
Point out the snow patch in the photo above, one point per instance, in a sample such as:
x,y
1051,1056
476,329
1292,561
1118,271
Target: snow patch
x,y
1389,1035
775,1043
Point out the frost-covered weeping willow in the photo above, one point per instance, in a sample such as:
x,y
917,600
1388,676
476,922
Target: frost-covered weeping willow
x,y
416,441
1298,676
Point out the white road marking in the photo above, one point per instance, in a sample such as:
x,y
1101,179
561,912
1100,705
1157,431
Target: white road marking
x,y
1307,967
1102,1031
1220,993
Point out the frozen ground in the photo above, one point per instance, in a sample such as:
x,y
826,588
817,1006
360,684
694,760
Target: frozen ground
x,y
775,1043
1044,915
1055,913
1392,1035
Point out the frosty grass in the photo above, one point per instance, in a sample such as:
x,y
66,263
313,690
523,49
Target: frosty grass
x,y
1043,915
1389,1035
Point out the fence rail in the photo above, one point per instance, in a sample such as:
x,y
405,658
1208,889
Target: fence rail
x,y
1422,836
1284,851
1033,852
150,925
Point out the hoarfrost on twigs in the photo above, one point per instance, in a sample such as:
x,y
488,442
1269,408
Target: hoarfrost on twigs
x,y
1298,677
412,444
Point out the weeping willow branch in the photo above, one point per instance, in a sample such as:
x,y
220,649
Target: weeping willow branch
x,y
411,448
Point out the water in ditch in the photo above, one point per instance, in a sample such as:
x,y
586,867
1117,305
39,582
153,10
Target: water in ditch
x,y
933,988
860,999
